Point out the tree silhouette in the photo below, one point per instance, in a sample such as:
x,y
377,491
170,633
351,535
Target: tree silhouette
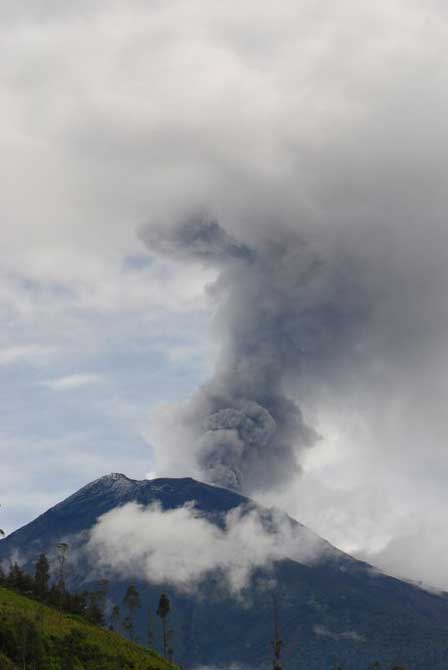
x,y
115,618
42,575
94,611
149,633
128,627
170,642
19,579
162,611
97,603
132,602
62,552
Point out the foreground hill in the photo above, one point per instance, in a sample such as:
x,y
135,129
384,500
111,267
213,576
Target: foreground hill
x,y
33,635
333,611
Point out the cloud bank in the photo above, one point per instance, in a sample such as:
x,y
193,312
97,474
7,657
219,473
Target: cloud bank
x,y
181,546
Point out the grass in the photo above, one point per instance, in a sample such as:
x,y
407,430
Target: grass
x,y
36,636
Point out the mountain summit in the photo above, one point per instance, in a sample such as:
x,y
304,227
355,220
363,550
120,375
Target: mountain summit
x,y
333,610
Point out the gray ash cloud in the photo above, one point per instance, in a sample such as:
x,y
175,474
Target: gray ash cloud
x,y
202,240
280,308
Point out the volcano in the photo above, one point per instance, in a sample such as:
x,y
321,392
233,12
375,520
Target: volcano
x,y
334,611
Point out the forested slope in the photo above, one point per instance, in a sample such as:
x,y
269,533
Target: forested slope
x,y
38,637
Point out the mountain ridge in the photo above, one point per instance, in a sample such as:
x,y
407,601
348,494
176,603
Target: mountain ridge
x,y
116,489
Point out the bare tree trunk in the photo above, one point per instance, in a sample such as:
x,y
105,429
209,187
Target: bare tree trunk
x,y
164,636
170,651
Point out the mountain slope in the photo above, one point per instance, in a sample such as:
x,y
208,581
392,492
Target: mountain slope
x,y
334,610
30,630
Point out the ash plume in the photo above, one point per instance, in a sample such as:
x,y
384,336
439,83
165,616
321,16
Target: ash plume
x,y
278,307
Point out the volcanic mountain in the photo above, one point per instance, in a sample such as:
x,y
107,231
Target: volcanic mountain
x,y
333,611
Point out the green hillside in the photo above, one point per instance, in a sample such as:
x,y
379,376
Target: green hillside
x,y
37,637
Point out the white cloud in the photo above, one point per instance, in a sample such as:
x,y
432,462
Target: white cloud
x,y
29,353
322,631
182,546
74,381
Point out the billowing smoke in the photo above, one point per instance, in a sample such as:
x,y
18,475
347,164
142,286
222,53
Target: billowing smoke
x,y
281,308
301,308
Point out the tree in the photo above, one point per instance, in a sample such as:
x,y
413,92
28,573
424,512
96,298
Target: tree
x,y
162,611
128,627
115,618
132,602
149,633
96,603
169,641
94,612
103,590
42,576
18,579
62,552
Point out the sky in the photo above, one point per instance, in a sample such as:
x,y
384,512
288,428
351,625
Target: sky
x,y
310,139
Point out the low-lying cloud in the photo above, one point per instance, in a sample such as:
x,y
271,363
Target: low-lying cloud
x,y
322,631
181,546
70,382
